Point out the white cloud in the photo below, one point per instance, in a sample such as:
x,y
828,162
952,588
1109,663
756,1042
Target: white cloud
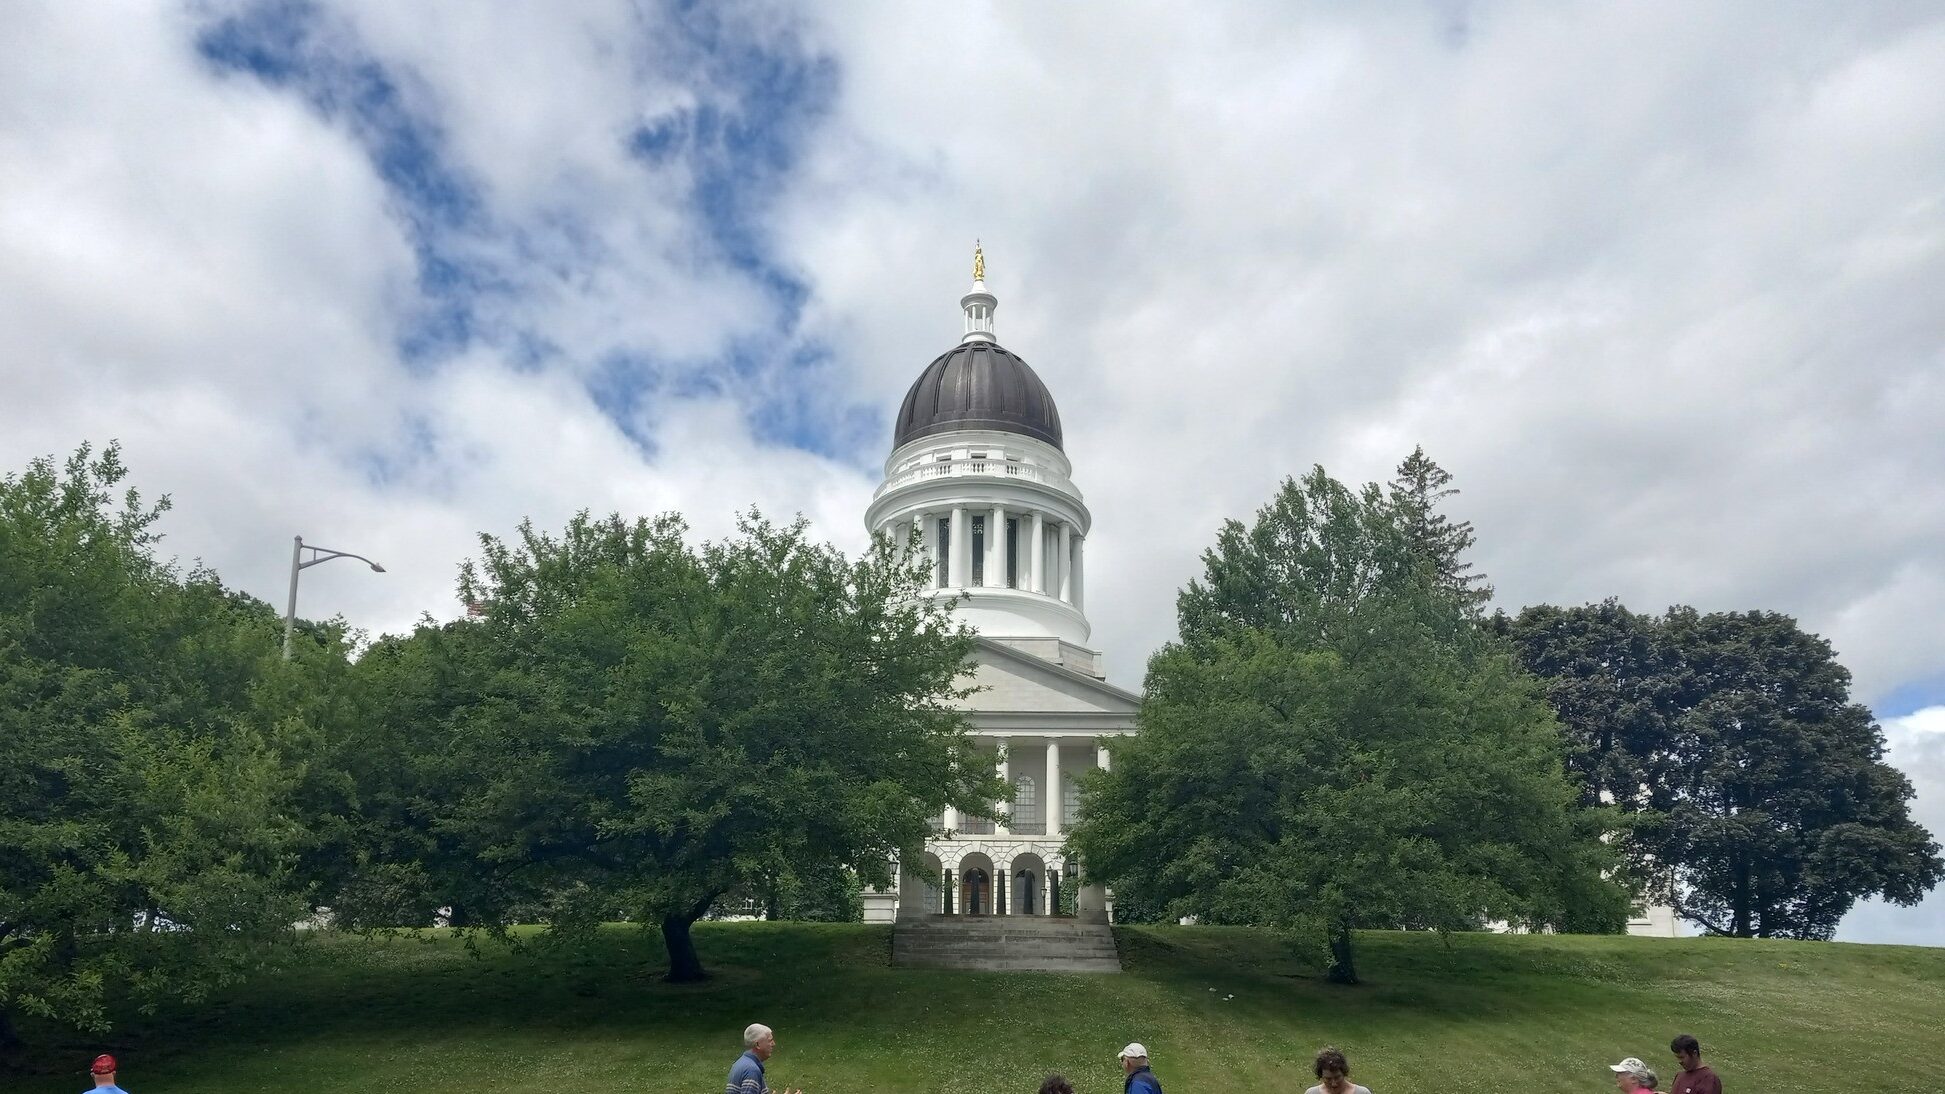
x,y
209,270
1658,289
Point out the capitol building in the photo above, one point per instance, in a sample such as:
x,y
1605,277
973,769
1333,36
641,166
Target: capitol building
x,y
978,470
979,477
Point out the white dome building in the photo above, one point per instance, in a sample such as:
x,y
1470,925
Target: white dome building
x,y
977,468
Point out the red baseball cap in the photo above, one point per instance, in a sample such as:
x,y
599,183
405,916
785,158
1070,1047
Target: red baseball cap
x,y
104,1065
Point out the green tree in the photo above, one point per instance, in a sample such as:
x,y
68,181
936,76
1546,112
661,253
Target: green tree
x,y
1417,489
1618,686
150,828
636,727
822,894
1334,742
1760,788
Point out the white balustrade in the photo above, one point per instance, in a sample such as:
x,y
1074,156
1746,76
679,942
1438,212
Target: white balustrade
x,y
1014,469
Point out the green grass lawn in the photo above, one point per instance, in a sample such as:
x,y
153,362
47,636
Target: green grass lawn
x,y
1472,1013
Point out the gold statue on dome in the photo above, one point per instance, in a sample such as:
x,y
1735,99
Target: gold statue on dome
x,y
979,262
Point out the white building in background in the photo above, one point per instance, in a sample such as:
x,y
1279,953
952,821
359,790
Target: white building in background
x,y
978,470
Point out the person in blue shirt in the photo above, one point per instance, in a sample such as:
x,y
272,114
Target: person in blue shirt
x,y
746,1074
1134,1064
103,1070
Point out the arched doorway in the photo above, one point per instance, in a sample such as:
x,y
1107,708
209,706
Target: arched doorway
x,y
975,892
975,885
1029,877
918,887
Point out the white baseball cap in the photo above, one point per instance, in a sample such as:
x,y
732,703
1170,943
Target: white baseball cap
x,y
1631,1066
1134,1051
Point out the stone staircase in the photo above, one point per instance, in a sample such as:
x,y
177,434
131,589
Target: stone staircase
x,y
1000,942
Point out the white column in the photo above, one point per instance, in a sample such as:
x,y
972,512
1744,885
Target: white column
x,y
1000,826
951,819
1066,563
928,545
1101,757
1047,889
1080,572
996,548
1052,810
1037,552
961,548
1053,560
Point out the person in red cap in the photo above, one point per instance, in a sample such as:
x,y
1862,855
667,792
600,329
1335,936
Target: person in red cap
x,y
104,1073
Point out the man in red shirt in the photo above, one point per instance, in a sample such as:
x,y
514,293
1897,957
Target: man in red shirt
x,y
1696,1077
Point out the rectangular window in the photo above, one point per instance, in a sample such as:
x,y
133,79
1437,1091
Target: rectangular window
x,y
979,550
1012,553
945,552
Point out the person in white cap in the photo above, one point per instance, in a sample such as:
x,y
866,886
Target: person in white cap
x,y
1631,1075
1134,1064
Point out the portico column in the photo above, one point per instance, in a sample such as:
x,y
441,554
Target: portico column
x,y
1101,757
1053,788
951,819
1036,553
961,548
1005,810
1047,889
1066,564
1000,904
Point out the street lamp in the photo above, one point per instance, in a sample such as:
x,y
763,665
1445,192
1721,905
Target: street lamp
x,y
298,564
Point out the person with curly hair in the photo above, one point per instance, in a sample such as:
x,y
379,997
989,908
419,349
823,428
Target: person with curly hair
x,y
1056,1084
1334,1074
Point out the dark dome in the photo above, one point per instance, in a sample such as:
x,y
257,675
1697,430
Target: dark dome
x,y
978,385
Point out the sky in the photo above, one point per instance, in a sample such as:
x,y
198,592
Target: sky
x,y
1660,283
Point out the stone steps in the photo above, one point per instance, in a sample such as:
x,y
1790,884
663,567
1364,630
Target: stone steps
x,y
1005,943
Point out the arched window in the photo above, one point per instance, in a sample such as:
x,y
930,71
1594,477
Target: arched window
x,y
1026,805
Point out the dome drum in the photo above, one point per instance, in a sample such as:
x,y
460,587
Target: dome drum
x,y
979,482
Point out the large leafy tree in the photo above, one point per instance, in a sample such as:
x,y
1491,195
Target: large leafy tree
x,y
150,813
1763,800
1334,742
634,726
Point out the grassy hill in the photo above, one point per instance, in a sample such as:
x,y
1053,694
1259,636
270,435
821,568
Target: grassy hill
x,y
1221,1009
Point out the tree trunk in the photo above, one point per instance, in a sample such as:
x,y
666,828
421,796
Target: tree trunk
x,y
1343,970
685,966
9,1036
1739,922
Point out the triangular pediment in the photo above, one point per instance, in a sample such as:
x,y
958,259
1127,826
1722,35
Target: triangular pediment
x,y
1012,682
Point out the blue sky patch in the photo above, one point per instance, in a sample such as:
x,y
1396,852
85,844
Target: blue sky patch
x,y
293,46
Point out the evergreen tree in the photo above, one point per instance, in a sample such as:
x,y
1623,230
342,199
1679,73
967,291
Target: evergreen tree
x,y
1417,489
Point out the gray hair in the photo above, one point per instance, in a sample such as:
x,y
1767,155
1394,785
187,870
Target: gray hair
x,y
757,1031
1646,1077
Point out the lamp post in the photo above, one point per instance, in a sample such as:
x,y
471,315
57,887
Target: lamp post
x,y
298,564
